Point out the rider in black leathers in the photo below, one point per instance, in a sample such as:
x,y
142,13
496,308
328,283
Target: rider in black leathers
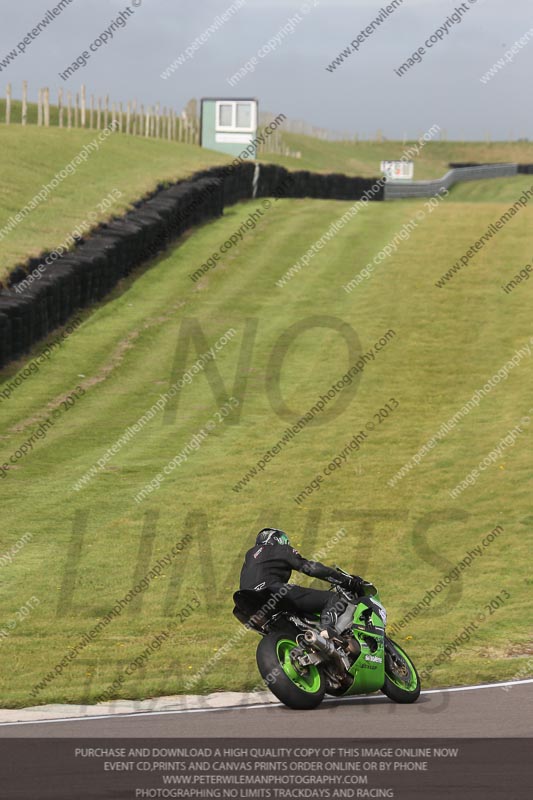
x,y
268,565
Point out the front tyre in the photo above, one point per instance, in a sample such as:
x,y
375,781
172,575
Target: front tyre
x,y
402,683
296,687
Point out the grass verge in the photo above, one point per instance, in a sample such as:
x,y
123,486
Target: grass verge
x,y
90,547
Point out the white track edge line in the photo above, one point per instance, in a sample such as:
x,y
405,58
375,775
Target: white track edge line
x,y
162,712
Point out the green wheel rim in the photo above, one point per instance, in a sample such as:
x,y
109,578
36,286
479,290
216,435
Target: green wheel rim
x,y
411,683
310,682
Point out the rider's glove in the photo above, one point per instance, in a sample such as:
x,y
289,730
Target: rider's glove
x,y
356,584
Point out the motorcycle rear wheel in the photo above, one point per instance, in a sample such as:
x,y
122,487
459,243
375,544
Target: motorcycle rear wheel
x,y
296,688
402,682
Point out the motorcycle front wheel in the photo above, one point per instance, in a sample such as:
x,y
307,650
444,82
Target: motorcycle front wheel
x,y
402,682
297,688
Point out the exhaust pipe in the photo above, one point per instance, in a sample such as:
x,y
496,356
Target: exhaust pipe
x,y
318,642
321,645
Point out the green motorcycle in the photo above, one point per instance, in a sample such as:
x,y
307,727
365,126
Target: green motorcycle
x,y
300,666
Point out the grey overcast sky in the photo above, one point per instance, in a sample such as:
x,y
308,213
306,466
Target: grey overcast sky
x,y
361,95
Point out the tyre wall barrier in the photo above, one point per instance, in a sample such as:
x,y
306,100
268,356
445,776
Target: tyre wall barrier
x,y
397,190
462,164
275,181
38,301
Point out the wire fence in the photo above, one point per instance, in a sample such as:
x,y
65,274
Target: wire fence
x,y
80,110
75,110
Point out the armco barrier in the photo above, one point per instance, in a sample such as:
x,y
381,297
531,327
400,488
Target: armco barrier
x,y
523,169
397,190
93,268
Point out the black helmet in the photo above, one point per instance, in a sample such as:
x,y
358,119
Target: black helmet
x,y
272,536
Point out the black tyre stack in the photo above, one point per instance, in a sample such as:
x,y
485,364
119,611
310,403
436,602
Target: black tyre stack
x,y
88,273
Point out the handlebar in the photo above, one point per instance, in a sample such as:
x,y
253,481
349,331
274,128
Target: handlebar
x,y
370,589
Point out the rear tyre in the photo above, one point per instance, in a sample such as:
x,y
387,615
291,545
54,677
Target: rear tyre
x,y
297,688
402,682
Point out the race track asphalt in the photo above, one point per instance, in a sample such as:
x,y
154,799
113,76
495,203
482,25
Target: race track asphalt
x,y
504,710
